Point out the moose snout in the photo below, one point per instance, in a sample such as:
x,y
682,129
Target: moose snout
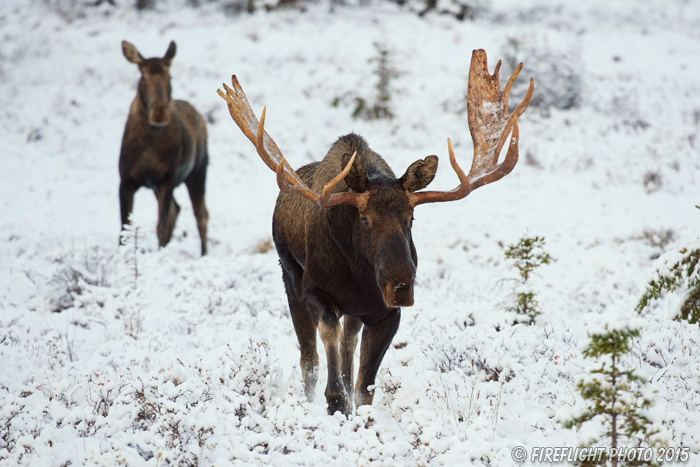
x,y
159,116
397,292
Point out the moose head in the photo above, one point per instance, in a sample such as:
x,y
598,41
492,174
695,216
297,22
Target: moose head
x,y
154,85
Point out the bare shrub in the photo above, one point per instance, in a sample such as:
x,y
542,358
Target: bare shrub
x,y
144,4
555,68
263,246
448,355
460,9
78,268
653,181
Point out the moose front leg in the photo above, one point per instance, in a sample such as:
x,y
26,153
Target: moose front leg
x,y
126,201
329,329
168,210
376,339
352,326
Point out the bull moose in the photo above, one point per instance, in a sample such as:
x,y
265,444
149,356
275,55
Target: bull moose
x,y
164,144
342,229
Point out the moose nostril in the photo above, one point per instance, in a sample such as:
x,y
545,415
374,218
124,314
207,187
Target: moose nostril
x,y
398,294
159,117
397,289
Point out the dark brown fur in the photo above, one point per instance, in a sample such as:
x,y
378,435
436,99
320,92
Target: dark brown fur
x,y
345,261
164,144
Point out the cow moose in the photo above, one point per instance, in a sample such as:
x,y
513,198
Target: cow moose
x,y
342,229
164,144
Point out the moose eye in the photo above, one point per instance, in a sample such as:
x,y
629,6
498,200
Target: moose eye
x,y
365,222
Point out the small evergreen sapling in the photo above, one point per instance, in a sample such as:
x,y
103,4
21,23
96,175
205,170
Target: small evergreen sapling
x,y
674,270
385,73
378,108
614,397
527,255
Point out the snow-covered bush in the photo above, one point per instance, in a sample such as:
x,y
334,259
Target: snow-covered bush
x,y
658,239
450,355
10,416
69,10
674,270
93,265
168,413
178,409
460,9
79,267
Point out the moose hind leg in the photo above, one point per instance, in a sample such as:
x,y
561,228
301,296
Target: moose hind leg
x,y
375,342
351,328
305,330
306,335
195,185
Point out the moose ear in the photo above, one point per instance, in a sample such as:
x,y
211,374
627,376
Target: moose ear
x,y
356,179
170,54
131,53
419,174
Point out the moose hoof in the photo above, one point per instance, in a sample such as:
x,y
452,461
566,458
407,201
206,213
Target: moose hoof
x,y
339,403
163,238
364,397
310,394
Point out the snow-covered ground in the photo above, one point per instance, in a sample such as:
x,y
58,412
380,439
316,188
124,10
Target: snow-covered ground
x,y
194,360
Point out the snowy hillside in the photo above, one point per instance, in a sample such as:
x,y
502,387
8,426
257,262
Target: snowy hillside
x,y
162,357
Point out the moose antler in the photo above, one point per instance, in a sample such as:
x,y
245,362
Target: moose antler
x,y
287,178
489,125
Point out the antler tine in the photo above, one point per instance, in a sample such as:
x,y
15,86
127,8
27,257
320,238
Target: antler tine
x,y
509,84
260,146
298,188
463,180
243,115
526,100
260,141
462,190
327,199
489,125
287,179
245,118
237,107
